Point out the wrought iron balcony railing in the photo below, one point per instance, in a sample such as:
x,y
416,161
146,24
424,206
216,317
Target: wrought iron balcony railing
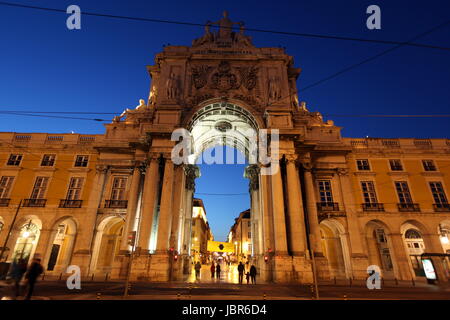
x,y
408,207
441,207
4,202
34,202
372,206
69,203
118,204
327,206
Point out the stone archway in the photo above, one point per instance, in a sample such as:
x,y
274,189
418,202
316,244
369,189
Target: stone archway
x,y
62,239
379,247
335,248
107,244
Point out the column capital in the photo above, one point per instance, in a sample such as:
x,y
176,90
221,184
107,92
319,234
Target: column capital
x,y
342,171
252,173
291,158
192,172
153,156
101,168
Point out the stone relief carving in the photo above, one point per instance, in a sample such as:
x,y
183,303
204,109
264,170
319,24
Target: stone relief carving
x,y
200,75
252,173
274,89
172,87
249,77
224,79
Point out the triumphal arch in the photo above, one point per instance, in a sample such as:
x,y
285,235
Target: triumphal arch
x,y
218,87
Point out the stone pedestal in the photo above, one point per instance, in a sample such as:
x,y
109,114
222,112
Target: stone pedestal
x,y
140,267
359,266
120,267
322,268
159,270
302,270
82,259
282,271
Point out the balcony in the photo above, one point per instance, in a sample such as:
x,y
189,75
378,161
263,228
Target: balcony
x,y
4,202
408,207
441,207
118,204
327,206
68,203
34,202
374,206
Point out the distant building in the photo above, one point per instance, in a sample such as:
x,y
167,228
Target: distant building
x,y
201,232
241,236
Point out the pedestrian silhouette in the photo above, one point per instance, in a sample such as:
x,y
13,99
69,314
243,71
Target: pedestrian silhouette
x,y
241,272
247,277
197,268
34,271
253,274
213,270
218,271
18,269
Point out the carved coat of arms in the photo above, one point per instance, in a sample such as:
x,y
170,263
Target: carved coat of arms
x,y
223,79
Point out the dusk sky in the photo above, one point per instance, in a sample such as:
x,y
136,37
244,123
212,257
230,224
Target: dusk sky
x,y
101,68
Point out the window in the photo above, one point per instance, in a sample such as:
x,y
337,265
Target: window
x,y
438,193
48,160
396,165
403,193
118,188
363,164
39,188
249,235
5,186
81,161
325,193
14,159
428,165
381,237
368,190
249,224
74,191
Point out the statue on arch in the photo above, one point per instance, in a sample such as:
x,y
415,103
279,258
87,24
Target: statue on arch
x,y
225,26
274,89
172,87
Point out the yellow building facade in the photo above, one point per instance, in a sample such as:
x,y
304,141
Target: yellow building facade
x,y
92,200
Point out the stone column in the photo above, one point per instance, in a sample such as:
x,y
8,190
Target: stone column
x,y
358,255
315,239
131,209
313,219
282,263
148,203
252,173
279,221
165,215
84,241
402,268
433,244
267,226
297,230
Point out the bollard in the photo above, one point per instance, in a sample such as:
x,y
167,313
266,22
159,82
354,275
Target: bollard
x,y
396,281
413,282
350,281
99,295
264,296
92,279
60,276
106,277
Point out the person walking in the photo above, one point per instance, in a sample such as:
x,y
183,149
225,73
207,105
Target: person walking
x,y
18,268
34,271
213,270
197,268
241,272
247,277
218,271
253,274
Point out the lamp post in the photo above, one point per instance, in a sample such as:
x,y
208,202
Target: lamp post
x,y
10,230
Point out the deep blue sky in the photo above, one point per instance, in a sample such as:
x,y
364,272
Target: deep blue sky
x,y
45,67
